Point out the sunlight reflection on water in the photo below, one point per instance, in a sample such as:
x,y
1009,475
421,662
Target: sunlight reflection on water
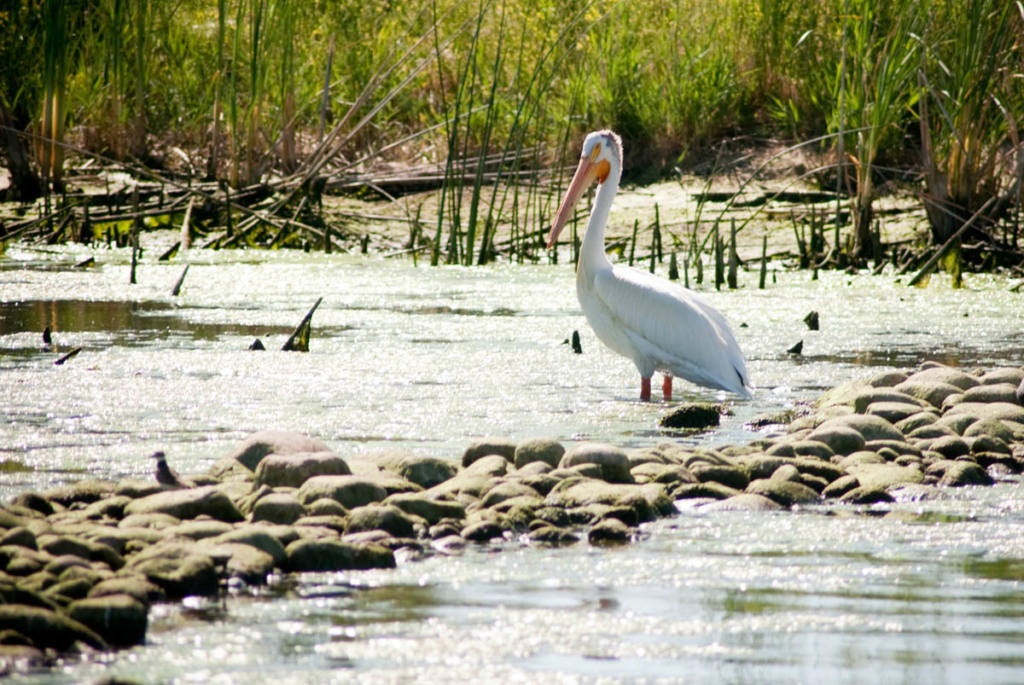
x,y
429,360
414,357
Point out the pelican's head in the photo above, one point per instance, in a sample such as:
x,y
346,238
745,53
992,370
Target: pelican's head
x,y
601,157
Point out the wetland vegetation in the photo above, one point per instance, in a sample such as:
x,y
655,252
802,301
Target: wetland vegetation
x,y
235,119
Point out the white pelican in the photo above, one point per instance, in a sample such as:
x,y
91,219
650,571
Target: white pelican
x,y
661,326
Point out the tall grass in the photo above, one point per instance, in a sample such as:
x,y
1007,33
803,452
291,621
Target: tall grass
x,y
218,89
285,12
878,95
492,90
666,77
971,107
495,100
56,48
139,130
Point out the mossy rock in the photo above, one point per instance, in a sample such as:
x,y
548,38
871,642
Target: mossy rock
x,y
784,492
763,465
729,475
648,501
999,392
873,395
869,427
608,532
958,473
307,554
539,449
1004,374
885,476
384,517
506,490
48,629
866,495
915,421
188,503
178,568
892,412
950,446
257,537
137,586
431,510
692,416
258,445
482,531
819,468
744,501
349,491
294,469
931,431
80,492
943,374
841,438
613,462
993,428
710,489
812,448
553,536
244,562
489,446
279,507
120,619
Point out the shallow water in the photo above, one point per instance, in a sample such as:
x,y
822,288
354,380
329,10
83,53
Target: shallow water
x,y
430,359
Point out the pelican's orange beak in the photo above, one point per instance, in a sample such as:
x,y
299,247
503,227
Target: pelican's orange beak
x,y
587,172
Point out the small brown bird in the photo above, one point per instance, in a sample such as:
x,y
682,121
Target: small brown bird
x,y
165,475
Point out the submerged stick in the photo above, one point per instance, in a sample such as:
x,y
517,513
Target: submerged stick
x,y
656,240
764,262
298,341
227,211
135,232
186,228
67,356
181,279
719,260
733,257
654,253
577,348
135,254
944,248
632,242
169,252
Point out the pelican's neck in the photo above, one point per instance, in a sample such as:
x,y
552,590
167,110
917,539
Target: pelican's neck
x,y
592,253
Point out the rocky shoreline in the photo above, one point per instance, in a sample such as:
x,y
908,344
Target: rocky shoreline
x,y
82,564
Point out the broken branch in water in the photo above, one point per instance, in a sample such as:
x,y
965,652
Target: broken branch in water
x,y
944,248
181,279
299,339
67,356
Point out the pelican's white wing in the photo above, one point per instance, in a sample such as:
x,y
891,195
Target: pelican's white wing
x,y
669,328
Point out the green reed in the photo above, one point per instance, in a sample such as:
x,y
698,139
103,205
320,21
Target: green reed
x,y
878,95
493,91
56,48
971,108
